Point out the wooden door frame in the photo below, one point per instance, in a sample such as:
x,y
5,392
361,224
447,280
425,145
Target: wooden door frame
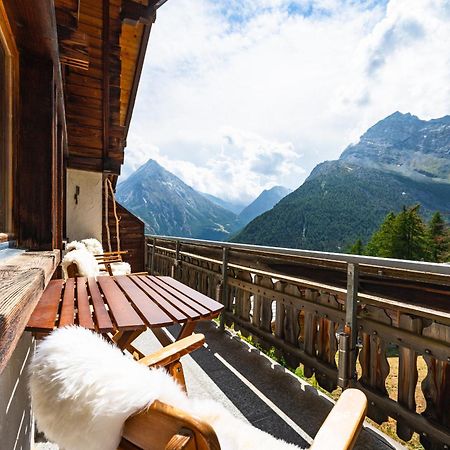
x,y
9,120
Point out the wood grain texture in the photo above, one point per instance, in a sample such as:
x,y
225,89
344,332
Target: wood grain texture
x,y
155,427
22,282
343,424
124,314
153,315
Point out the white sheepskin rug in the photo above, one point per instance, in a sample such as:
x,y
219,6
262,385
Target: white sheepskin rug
x,y
121,268
83,389
75,245
93,245
85,261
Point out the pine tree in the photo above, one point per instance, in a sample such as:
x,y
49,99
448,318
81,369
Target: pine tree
x,y
381,242
357,248
438,239
409,235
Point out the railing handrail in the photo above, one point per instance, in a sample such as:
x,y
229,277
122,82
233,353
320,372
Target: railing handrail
x,y
417,266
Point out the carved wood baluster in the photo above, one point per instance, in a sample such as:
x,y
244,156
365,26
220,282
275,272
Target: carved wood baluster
x,y
230,298
212,280
310,333
279,312
327,342
266,307
257,304
162,265
261,318
292,325
238,299
407,375
185,271
266,310
202,280
374,363
192,277
436,385
243,303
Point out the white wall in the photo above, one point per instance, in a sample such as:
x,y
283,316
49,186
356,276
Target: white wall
x,y
84,220
16,430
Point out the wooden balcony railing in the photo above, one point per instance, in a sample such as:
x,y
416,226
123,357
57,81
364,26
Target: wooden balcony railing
x,y
378,324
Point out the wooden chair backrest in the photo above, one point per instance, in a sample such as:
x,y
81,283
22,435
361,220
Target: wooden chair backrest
x,y
164,427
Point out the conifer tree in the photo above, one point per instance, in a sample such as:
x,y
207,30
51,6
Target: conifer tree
x,y
409,235
357,248
438,239
381,242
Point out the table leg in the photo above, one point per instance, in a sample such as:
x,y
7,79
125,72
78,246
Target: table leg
x,y
162,337
187,329
127,338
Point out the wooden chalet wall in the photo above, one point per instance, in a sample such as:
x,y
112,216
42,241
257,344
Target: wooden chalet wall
x,y
103,43
39,131
79,64
132,236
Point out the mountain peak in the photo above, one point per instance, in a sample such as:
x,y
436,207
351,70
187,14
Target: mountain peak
x,y
169,206
405,144
264,202
394,127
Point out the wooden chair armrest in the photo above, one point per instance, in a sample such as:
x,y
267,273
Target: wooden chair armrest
x,y
342,426
162,426
173,352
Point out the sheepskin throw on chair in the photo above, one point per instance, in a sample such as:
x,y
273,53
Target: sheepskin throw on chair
x,y
83,389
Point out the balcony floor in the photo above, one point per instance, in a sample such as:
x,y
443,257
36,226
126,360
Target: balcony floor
x,y
256,389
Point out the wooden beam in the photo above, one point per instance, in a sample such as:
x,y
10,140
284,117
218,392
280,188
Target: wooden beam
x,y
137,76
105,68
36,153
133,13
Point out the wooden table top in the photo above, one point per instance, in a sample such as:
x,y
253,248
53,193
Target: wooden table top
x,y
119,303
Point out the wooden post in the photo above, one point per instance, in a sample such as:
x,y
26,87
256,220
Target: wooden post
x,y
176,264
224,286
343,360
152,260
350,315
146,254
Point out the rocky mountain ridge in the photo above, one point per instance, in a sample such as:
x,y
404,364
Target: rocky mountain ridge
x,y
401,160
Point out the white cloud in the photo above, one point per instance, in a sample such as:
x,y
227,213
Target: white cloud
x,y
245,164
237,95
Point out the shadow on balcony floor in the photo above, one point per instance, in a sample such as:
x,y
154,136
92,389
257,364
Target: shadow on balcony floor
x,y
253,387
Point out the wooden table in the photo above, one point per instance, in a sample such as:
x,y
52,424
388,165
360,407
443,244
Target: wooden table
x,y
123,306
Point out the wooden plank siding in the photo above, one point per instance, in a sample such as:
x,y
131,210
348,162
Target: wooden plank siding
x,y
99,96
132,236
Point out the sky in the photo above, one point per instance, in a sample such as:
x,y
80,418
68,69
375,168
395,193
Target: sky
x,y
237,96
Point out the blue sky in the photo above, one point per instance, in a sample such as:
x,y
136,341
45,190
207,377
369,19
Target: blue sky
x,y
240,95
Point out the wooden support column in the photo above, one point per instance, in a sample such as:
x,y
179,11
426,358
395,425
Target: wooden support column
x,y
36,155
350,314
105,80
224,286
